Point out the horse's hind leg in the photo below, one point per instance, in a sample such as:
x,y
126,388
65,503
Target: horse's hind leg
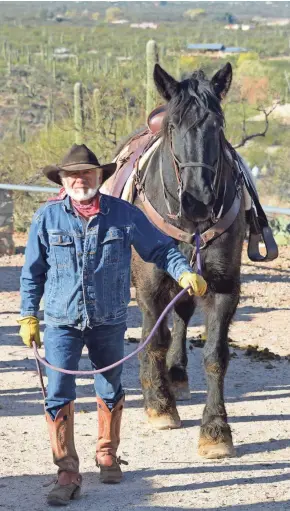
x,y
159,400
215,435
177,356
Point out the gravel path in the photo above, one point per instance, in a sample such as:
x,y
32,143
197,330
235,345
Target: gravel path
x,y
164,471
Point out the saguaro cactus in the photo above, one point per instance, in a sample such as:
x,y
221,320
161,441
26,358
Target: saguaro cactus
x,y
8,62
21,133
5,48
77,62
49,119
53,69
79,116
28,56
96,105
151,59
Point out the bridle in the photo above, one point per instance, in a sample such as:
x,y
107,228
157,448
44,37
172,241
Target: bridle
x,y
216,169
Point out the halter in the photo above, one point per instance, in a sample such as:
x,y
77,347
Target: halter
x,y
178,166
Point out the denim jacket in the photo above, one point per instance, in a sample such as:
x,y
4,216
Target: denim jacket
x,y
84,274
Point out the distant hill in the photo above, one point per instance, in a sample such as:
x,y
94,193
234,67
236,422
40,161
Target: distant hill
x,y
29,12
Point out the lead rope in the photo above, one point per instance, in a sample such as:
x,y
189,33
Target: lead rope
x,y
44,362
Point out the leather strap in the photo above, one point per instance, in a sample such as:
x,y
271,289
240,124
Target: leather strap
x,y
174,232
223,223
158,220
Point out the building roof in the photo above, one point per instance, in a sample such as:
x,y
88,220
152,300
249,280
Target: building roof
x,y
215,47
206,46
234,49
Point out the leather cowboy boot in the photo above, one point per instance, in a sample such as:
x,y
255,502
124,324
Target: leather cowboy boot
x,y
69,480
108,441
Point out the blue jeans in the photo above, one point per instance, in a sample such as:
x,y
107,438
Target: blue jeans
x,y
63,348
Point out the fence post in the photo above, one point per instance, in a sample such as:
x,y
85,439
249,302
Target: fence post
x,y
6,223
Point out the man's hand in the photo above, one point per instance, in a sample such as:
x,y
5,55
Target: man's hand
x,y
29,330
197,283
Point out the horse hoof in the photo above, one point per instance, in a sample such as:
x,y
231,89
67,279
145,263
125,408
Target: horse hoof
x,y
215,450
164,421
181,391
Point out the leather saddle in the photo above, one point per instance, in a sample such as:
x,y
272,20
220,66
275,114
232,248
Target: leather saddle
x,y
155,119
127,159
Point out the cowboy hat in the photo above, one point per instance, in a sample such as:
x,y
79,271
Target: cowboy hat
x,y
79,157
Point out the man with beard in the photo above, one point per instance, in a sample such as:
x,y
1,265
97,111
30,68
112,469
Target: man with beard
x,y
79,255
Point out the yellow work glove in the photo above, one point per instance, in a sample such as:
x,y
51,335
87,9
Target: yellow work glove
x,y
197,283
29,330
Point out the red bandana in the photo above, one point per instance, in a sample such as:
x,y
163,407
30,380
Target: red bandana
x,y
85,210
61,195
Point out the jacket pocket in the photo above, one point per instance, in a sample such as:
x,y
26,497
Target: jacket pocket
x,y
62,250
113,246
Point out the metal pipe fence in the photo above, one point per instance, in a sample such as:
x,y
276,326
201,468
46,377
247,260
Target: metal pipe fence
x,y
28,188
48,189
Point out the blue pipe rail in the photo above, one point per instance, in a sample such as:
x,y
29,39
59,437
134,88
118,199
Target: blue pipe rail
x,y
49,189
278,211
28,188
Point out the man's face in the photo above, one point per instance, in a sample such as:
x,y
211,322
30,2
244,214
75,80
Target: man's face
x,y
82,184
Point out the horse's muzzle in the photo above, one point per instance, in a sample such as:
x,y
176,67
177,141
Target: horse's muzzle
x,y
194,209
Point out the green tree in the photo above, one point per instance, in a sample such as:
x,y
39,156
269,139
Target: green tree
x,y
113,14
193,13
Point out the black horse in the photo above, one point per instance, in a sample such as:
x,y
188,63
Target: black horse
x,y
192,183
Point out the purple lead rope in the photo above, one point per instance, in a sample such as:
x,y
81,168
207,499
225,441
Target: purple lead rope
x,y
198,259
44,362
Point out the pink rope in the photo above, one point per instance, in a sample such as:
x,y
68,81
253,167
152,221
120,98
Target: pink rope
x,y
119,362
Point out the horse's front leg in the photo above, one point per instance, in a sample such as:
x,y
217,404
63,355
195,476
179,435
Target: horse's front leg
x,y
159,400
215,436
177,355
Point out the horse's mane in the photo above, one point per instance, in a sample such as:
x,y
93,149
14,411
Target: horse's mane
x,y
195,91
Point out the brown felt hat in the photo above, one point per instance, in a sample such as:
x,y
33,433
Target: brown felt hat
x,y
79,157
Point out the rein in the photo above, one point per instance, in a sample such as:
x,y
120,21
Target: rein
x,y
39,360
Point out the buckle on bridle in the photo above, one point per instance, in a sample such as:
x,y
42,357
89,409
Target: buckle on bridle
x,y
213,218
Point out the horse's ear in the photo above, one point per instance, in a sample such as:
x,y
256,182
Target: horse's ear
x,y
166,85
222,80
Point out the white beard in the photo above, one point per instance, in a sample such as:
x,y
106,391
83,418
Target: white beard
x,y
80,195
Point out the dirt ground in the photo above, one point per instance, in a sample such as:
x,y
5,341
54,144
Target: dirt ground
x,y
164,471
